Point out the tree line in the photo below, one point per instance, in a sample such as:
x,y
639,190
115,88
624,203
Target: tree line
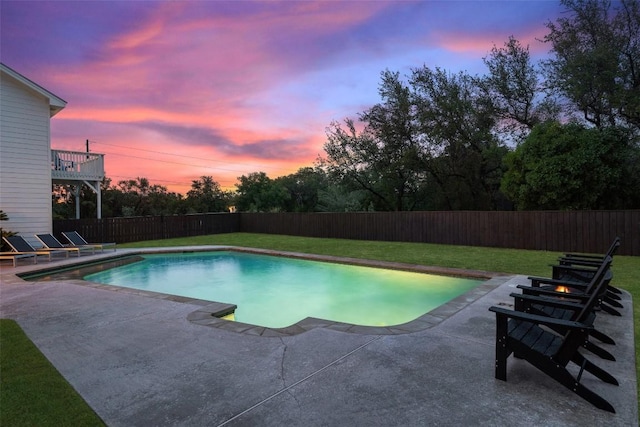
x,y
562,133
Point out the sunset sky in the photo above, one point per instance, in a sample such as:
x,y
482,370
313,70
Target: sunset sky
x,y
175,90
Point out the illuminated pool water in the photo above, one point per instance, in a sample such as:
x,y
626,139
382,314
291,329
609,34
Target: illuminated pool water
x,y
277,292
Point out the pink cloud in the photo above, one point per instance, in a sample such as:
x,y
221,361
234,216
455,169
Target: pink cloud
x,y
156,62
229,83
479,45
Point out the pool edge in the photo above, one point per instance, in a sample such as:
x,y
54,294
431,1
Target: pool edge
x,y
205,316
210,312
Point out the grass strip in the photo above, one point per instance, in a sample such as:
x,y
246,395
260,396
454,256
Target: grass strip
x,y
32,391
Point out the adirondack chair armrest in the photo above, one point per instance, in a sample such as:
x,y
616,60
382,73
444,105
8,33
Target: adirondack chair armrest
x,y
549,302
532,290
537,281
579,269
581,262
503,313
572,273
585,256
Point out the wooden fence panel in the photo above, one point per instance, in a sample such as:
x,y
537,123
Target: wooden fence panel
x,y
134,229
574,231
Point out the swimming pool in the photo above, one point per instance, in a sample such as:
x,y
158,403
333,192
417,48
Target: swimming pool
x,y
276,292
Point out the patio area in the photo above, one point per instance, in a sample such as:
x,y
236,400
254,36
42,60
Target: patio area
x,y
141,360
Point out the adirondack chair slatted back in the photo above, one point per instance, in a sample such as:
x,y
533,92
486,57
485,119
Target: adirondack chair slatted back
x,y
597,286
614,247
560,272
573,339
591,260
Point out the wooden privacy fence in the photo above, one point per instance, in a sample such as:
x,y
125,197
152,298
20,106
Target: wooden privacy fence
x,y
135,229
578,231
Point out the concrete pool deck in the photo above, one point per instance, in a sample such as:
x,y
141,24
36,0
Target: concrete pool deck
x,y
140,361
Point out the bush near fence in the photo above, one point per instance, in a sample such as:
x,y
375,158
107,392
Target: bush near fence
x,y
577,231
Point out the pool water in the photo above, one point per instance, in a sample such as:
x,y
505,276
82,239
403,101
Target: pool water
x,y
278,292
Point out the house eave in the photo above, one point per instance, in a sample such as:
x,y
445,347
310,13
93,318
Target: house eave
x,y
56,104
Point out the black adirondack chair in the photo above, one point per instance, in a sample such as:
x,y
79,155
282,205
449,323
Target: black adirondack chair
x,y
580,288
581,267
579,277
523,334
577,257
561,305
574,291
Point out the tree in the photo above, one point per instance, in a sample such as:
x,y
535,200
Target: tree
x,y
63,197
335,198
140,198
383,159
303,188
257,192
207,196
596,62
113,200
513,85
463,155
573,167
430,143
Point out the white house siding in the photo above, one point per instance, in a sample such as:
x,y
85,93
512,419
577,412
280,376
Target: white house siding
x,y
25,169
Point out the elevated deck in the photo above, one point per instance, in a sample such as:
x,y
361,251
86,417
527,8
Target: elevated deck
x,y
72,166
75,168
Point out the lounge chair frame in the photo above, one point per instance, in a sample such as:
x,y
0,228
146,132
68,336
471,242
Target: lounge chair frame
x,y
15,256
75,239
19,245
50,242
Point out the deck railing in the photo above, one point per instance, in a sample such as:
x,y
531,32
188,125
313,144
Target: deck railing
x,y
76,165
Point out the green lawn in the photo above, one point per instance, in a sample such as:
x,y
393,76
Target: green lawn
x,y
33,393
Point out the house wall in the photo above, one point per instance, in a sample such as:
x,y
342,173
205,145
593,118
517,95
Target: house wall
x,y
25,169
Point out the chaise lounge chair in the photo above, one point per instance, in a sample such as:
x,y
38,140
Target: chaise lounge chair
x,y
523,334
50,242
21,246
77,240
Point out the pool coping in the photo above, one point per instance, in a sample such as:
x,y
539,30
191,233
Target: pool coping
x,y
210,313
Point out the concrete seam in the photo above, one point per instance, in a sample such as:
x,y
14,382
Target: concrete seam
x,y
279,392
